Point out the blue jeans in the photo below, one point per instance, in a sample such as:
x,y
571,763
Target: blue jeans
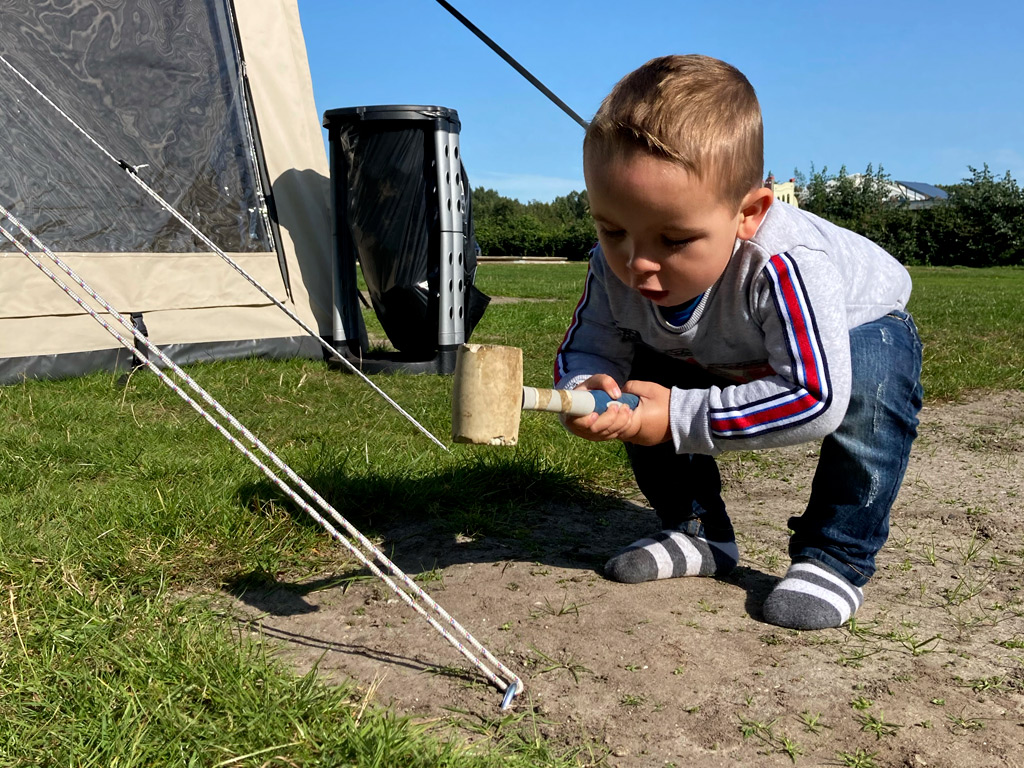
x,y
859,471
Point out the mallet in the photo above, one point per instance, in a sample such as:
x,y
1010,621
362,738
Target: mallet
x,y
488,396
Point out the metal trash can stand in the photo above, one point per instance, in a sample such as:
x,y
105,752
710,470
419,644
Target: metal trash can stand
x,y
401,209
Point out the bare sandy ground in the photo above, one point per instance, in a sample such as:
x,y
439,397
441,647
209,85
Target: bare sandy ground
x,y
685,672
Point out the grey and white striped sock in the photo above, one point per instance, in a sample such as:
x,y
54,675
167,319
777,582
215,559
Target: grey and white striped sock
x,y
671,554
812,596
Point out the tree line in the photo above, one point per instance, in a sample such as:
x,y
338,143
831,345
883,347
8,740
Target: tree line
x,y
506,227
981,224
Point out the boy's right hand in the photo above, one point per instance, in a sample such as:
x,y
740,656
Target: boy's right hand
x,y
609,425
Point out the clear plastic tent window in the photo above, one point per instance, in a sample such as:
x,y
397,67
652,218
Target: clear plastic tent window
x,y
137,77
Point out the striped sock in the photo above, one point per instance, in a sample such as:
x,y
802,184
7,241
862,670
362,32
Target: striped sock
x,y
670,554
812,596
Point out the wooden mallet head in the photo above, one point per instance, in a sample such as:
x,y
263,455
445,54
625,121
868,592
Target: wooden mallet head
x,y
488,396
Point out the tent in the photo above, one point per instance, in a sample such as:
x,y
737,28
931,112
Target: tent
x,y
211,103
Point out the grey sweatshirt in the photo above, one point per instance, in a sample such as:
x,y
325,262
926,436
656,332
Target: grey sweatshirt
x,y
776,323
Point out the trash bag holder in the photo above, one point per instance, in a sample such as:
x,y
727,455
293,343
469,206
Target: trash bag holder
x,y
451,263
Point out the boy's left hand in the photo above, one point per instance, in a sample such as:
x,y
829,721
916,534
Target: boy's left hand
x,y
650,422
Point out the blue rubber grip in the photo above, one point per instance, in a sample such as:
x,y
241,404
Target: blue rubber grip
x,y
601,400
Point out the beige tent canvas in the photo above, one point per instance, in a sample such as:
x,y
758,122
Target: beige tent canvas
x,y
211,102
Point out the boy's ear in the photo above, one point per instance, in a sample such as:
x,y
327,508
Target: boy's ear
x,y
752,211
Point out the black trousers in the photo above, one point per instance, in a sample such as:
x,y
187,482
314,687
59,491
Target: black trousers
x,y
684,489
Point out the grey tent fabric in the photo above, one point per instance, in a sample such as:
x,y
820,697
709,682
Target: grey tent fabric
x,y
237,149
158,84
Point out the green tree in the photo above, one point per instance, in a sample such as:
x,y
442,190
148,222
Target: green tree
x,y
507,227
981,225
847,200
494,218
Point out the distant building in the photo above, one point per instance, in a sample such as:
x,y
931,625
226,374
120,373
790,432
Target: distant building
x,y
917,194
913,194
785,191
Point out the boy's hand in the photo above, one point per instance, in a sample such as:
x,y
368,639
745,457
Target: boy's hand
x,y
650,424
647,425
600,426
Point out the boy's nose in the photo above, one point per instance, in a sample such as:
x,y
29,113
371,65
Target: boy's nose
x,y
640,262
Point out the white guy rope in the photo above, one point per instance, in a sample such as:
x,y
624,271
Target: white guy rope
x,y
511,684
134,176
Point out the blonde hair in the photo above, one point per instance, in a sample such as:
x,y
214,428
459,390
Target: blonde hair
x,y
693,110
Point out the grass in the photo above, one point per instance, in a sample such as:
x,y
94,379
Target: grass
x,y
106,676
764,732
971,323
116,502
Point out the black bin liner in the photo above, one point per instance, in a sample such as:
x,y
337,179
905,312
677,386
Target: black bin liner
x,y
384,182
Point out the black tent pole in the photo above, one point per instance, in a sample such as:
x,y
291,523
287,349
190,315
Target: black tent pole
x,y
515,64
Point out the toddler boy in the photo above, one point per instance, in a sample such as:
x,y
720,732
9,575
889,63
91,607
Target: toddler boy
x,y
741,323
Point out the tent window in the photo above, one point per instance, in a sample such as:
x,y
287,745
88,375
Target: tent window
x,y
158,85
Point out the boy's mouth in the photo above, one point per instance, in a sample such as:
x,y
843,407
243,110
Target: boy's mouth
x,y
654,296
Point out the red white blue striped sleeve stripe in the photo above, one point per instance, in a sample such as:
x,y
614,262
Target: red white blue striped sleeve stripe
x,y
811,394
560,364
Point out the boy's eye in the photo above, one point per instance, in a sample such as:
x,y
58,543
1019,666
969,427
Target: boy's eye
x,y
612,234
673,243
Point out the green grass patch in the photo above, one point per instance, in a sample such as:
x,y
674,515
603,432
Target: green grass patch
x,y
117,500
101,676
558,280
971,323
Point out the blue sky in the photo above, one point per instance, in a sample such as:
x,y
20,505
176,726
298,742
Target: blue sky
x,y
924,89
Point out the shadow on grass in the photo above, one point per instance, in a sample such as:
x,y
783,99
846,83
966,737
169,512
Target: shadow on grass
x,y
262,590
483,508
475,490
476,507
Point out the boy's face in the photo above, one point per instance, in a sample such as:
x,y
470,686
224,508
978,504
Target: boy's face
x,y
664,232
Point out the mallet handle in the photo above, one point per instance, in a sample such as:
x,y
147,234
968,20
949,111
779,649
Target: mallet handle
x,y
574,402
